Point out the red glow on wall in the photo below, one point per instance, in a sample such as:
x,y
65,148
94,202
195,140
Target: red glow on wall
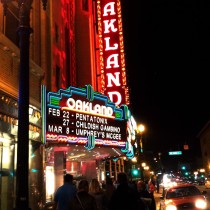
x,y
63,47
111,46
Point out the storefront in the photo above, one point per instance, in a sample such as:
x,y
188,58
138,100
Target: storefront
x,y
8,152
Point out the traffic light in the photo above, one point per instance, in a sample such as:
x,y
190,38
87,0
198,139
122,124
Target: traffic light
x,y
107,174
183,167
135,172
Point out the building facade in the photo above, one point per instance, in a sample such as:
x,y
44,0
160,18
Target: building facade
x,y
204,138
73,43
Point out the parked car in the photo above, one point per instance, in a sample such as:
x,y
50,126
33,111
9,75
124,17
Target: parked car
x,y
207,184
183,196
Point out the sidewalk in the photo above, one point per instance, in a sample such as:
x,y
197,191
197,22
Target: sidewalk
x,y
157,198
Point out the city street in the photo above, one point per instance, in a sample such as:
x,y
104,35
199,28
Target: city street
x,y
157,197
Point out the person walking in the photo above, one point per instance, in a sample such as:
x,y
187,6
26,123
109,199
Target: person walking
x,y
83,200
124,197
109,188
157,185
65,193
145,199
98,193
151,189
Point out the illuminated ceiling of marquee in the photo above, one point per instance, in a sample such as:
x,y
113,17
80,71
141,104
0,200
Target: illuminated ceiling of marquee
x,y
79,153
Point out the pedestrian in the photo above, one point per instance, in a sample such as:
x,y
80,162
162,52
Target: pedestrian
x,y
103,185
109,188
124,197
145,199
133,184
157,185
83,200
151,187
65,193
98,193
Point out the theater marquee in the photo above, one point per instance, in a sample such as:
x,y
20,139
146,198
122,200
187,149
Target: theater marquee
x,y
82,116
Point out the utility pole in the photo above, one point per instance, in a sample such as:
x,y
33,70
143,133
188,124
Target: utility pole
x,y
22,171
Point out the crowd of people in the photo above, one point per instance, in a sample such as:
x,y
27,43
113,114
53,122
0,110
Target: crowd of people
x,y
93,195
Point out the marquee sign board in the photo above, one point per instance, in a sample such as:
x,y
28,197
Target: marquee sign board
x,y
82,116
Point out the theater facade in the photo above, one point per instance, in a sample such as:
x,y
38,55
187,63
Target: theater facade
x,y
86,134
79,116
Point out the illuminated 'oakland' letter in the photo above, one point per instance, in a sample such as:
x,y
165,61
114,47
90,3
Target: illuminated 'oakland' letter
x,y
111,78
109,8
112,59
119,97
107,41
109,24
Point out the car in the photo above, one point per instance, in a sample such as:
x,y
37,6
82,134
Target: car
x,y
207,184
183,196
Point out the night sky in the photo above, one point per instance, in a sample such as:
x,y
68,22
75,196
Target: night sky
x,y
168,62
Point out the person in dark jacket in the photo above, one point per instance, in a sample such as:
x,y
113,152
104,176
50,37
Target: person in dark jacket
x,y
65,193
83,200
109,188
98,193
145,199
124,197
151,187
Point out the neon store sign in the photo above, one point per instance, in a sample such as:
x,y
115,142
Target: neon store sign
x,y
82,116
111,47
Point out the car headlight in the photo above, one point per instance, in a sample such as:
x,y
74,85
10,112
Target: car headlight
x,y
171,207
201,204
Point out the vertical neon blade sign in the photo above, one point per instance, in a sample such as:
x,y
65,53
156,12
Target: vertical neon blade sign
x,y
111,46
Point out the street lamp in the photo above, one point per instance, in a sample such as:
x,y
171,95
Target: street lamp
x,y
140,130
22,169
